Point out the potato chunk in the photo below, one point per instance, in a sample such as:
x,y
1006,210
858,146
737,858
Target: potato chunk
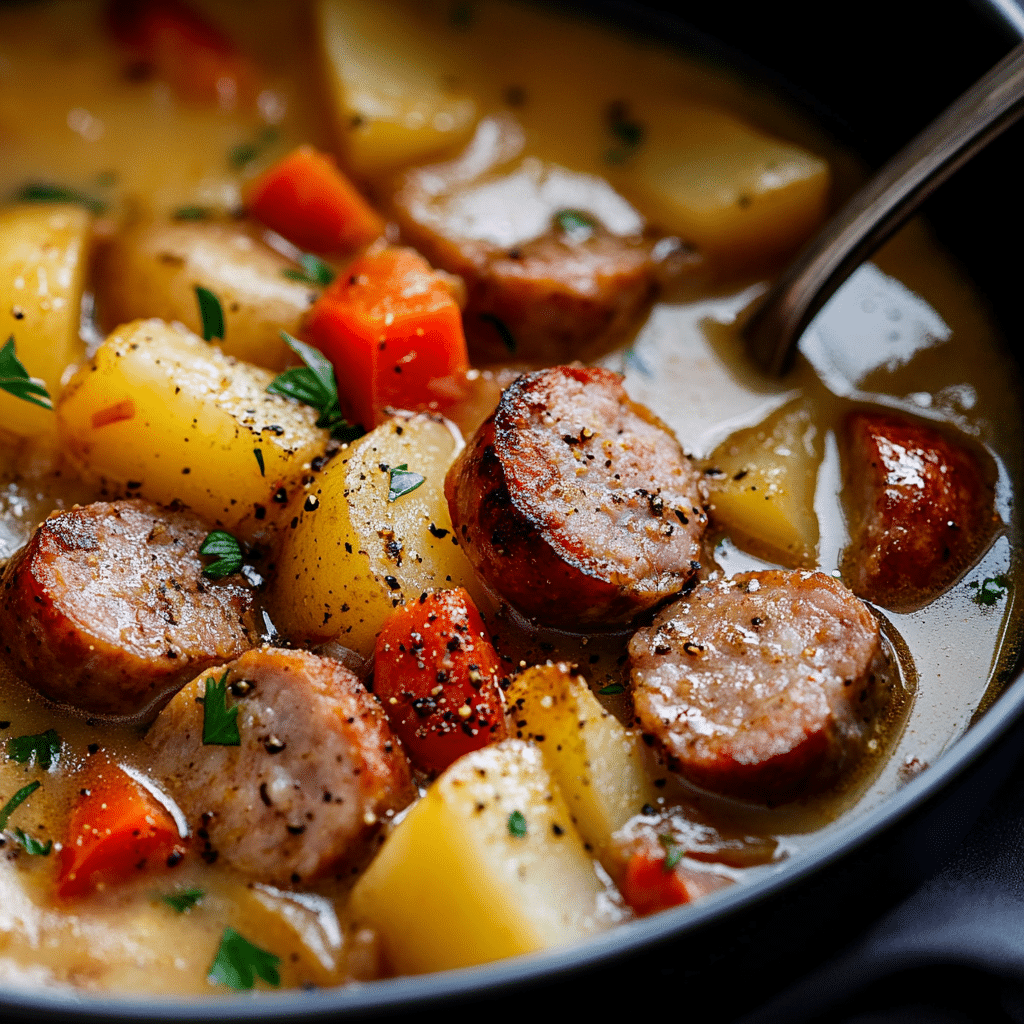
x,y
43,257
152,270
597,763
487,865
161,414
762,482
353,555
387,66
740,196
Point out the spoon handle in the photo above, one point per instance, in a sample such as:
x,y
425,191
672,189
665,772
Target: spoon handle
x,y
982,113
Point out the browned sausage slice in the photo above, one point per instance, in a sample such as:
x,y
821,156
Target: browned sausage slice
x,y
314,772
922,510
575,503
106,607
763,686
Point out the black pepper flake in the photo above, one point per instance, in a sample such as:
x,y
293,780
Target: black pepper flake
x,y
392,583
281,496
273,745
312,503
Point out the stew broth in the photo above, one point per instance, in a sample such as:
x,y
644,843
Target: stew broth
x,y
895,336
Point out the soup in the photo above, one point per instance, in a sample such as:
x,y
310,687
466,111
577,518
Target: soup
x,y
497,140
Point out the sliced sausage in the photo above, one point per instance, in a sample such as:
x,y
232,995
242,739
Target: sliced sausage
x,y
764,686
558,265
922,510
575,503
106,608
314,770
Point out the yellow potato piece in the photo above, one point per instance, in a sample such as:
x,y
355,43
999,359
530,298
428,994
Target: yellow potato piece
x,y
160,413
43,259
763,492
453,886
353,556
387,66
599,765
740,196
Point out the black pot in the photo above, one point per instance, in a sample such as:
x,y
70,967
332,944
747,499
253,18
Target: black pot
x,y
872,74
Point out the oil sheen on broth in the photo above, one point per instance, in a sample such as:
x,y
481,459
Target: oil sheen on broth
x,y
892,337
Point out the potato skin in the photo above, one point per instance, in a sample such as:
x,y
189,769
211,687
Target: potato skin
x,y
152,268
575,503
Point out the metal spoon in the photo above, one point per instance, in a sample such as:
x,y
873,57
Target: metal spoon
x,y
981,114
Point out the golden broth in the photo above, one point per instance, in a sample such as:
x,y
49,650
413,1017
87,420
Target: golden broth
x,y
895,335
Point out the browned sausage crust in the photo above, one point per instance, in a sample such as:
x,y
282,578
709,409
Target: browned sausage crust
x,y
314,772
922,509
574,503
763,686
106,607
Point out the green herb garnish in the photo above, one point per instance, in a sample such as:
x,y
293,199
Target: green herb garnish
x,y
14,379
314,384
990,590
258,452
245,152
42,192
226,550
401,481
627,133
673,852
32,845
314,271
20,797
184,900
44,747
507,338
611,689
192,213
517,825
238,962
211,313
578,225
220,723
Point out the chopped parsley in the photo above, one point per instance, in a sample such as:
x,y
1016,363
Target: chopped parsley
x,y
211,313
184,900
611,689
990,590
314,384
507,337
258,452
43,192
517,825
14,379
238,963
578,225
192,213
401,481
20,797
220,723
44,748
33,846
626,132
226,550
673,852
314,271
245,152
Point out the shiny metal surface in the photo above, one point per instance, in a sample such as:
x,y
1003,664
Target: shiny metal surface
x,y
962,130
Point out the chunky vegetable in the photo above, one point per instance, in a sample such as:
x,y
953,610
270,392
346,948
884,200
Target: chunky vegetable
x,y
468,876
436,675
352,555
393,330
116,829
308,200
161,414
657,881
43,262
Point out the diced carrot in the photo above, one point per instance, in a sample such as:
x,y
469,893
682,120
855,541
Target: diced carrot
x,y
183,49
394,333
436,675
116,829
308,200
649,886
